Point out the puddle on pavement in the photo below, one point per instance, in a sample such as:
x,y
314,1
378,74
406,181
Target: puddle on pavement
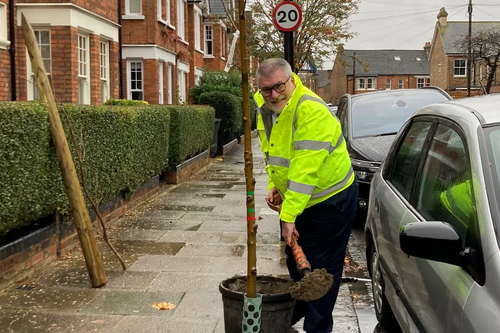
x,y
147,247
194,228
187,208
211,195
361,292
237,250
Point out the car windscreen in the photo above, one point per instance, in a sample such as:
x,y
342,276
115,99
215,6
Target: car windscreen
x,y
378,114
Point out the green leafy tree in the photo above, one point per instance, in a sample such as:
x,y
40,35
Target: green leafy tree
x,y
323,28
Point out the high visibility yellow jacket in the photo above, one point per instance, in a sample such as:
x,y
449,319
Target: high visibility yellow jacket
x,y
305,152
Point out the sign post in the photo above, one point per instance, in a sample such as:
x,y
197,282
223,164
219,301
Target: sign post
x,y
287,17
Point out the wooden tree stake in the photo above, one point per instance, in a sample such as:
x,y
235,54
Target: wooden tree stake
x,y
250,181
68,171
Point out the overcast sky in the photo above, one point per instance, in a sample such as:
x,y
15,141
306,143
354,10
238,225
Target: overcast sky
x,y
408,24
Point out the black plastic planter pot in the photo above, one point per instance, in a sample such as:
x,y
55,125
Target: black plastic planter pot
x,y
276,313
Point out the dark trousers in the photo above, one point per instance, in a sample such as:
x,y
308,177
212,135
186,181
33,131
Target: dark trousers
x,y
324,231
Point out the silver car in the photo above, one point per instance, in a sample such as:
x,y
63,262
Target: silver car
x,y
433,224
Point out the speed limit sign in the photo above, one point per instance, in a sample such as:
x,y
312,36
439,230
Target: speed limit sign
x,y
287,16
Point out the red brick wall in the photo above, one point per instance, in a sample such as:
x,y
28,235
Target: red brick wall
x,y
114,70
5,92
95,70
439,65
151,80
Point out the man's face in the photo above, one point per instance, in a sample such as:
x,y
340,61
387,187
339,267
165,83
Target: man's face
x,y
277,90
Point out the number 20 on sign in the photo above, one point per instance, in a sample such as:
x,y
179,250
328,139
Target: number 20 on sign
x,y
287,16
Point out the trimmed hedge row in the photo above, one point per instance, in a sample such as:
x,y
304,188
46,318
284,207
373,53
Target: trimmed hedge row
x,y
228,108
191,132
122,147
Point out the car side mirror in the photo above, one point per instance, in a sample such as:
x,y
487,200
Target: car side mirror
x,y
437,241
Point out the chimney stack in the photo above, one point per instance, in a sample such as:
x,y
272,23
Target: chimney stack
x,y
427,47
443,17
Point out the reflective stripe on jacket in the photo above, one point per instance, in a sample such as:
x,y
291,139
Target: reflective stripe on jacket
x,y
305,152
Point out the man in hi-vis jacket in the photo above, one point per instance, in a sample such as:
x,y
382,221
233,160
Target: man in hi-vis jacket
x,y
310,176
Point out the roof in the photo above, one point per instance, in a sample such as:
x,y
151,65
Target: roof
x,y
454,32
383,62
485,106
323,79
217,9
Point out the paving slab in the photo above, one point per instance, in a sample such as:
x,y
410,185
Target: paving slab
x,y
55,299
188,281
190,237
125,302
41,322
148,247
134,324
212,250
136,234
224,226
130,280
196,305
159,263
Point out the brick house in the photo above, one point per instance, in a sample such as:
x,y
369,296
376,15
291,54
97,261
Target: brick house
x,y
448,63
95,50
378,70
323,85
79,46
215,34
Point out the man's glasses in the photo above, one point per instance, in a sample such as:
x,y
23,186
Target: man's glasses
x,y
279,88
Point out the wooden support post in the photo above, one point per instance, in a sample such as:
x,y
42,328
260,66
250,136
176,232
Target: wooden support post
x,y
70,178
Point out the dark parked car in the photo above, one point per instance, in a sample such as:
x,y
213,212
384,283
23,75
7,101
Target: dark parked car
x,y
370,122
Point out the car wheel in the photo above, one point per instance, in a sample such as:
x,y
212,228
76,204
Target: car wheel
x,y
383,310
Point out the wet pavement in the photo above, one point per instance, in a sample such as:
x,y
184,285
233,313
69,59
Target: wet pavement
x,y
178,247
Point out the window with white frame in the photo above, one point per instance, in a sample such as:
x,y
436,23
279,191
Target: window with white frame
x,y
361,83
133,7
169,82
197,79
135,80
43,41
388,84
181,83
423,82
460,67
159,14
180,19
427,81
370,83
104,57
209,42
3,23
197,30
83,70
160,82
400,84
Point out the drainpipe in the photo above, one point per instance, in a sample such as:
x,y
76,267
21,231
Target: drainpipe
x,y
120,52
12,50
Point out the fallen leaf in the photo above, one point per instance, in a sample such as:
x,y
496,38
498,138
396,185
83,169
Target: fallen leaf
x,y
163,306
220,159
259,218
98,322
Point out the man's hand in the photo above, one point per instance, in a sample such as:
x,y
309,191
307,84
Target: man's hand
x,y
274,197
287,230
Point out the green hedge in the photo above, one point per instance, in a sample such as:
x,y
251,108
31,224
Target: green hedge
x,y
125,102
229,108
191,132
122,147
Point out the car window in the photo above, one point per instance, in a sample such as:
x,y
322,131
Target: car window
x,y
385,113
407,157
444,193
